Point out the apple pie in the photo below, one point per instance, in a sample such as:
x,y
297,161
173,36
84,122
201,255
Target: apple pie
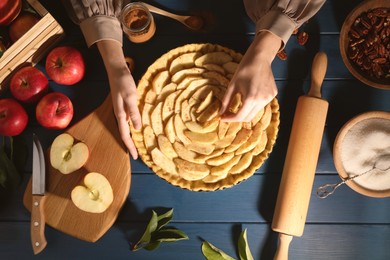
x,y
182,138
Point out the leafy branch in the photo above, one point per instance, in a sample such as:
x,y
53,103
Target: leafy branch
x,y
211,252
157,232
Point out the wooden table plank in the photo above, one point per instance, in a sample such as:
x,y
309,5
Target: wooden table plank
x,y
317,243
158,45
115,244
320,242
347,98
257,198
302,55
346,225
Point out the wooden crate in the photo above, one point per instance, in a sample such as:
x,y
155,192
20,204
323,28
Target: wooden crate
x,y
32,46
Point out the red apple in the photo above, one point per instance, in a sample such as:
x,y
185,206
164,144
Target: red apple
x,y
13,117
9,10
54,111
22,23
65,65
29,84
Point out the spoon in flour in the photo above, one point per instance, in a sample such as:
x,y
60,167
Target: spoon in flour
x,y
328,189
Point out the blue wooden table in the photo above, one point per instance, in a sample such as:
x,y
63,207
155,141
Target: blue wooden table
x,y
346,225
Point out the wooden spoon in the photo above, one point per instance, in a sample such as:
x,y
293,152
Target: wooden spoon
x,y
193,22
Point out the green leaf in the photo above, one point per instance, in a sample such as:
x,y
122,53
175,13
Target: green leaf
x,y
12,176
152,245
211,252
164,219
170,235
155,232
145,239
243,247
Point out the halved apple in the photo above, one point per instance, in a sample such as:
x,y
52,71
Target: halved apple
x,y
95,195
66,156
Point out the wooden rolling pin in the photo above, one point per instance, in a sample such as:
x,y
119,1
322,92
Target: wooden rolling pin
x,y
301,161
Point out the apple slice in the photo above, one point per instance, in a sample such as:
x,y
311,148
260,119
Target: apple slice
x,y
95,195
66,156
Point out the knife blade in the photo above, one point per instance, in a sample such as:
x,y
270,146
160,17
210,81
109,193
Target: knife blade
x,y
37,228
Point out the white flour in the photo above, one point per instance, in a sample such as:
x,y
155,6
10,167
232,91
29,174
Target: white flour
x,y
367,144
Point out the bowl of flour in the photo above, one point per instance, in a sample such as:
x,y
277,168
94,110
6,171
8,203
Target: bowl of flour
x,y
363,146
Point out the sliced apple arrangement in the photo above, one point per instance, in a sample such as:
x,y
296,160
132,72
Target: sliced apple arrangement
x,y
95,195
182,138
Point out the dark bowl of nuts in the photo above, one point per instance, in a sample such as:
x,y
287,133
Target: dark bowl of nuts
x,y
365,43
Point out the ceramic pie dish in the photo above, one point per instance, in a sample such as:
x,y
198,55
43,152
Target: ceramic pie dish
x,y
182,138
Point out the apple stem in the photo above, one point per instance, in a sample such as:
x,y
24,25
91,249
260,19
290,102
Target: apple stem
x,y
24,83
59,63
59,108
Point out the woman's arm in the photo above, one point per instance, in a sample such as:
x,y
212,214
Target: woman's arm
x,y
99,24
123,91
254,80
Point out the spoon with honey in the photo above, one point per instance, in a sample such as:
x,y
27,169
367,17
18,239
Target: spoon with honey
x,y
192,22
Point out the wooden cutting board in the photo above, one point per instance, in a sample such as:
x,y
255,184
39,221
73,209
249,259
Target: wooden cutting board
x,y
109,157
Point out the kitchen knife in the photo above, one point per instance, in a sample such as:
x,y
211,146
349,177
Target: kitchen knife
x,y
38,239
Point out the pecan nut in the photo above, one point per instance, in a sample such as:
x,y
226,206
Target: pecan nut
x,y
282,55
302,38
369,43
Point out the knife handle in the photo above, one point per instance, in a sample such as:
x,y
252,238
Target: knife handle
x,y
38,239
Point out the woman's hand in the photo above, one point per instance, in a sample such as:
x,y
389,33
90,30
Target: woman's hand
x,y
123,91
124,100
253,79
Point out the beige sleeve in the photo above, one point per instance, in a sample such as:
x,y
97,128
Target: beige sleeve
x,y
281,17
98,19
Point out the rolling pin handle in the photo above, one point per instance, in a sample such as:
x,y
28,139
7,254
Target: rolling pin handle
x,y
318,71
282,250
